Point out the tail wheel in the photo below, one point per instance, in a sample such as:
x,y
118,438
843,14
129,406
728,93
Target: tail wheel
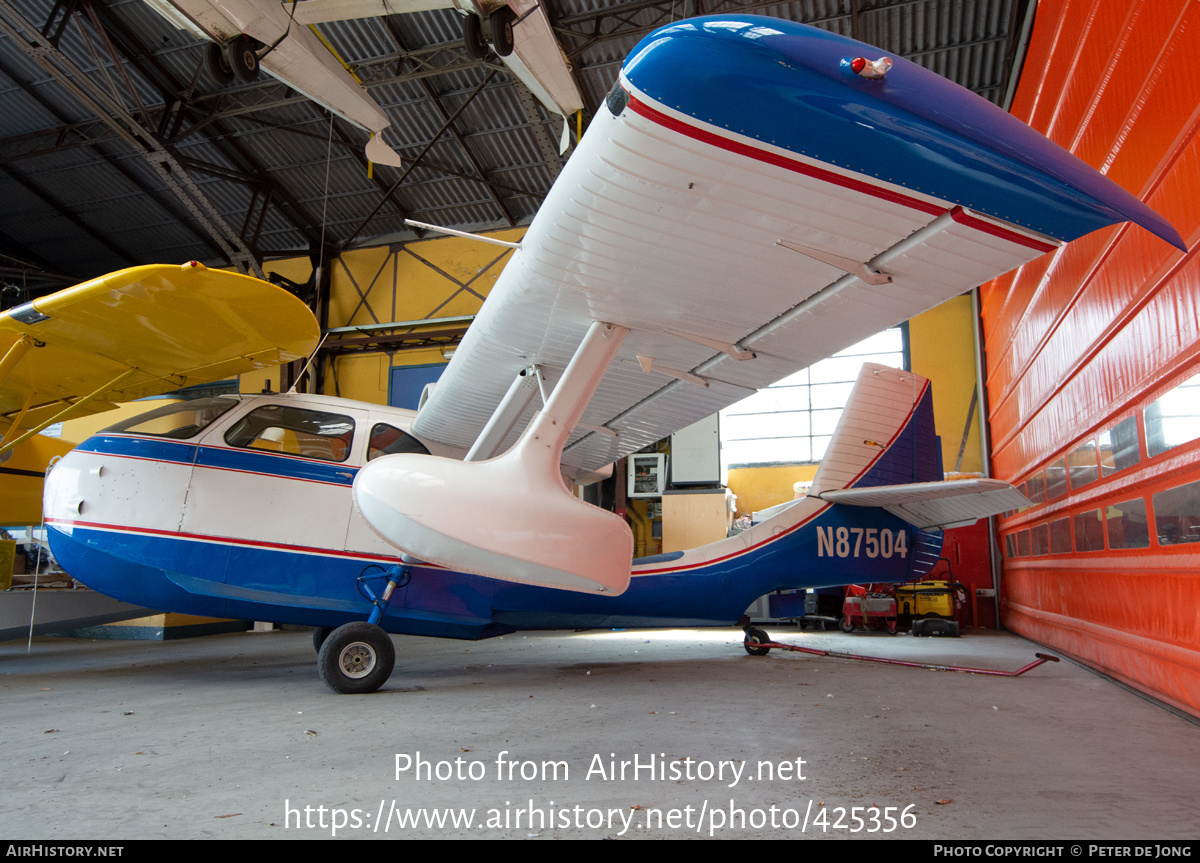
x,y
356,658
846,624
755,636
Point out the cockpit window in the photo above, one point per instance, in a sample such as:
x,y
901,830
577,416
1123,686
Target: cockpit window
x,y
295,431
389,440
181,420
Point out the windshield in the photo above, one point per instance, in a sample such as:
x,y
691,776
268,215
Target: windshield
x,y
180,420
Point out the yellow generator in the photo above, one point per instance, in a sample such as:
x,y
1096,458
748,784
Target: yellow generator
x,y
931,605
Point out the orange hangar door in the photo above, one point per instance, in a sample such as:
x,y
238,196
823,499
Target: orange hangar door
x,y
1093,354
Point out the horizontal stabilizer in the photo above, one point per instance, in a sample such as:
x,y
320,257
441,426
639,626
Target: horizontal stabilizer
x,y
935,505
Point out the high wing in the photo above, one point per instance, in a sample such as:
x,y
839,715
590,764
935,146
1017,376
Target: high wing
x,y
744,187
537,59
300,58
140,332
754,196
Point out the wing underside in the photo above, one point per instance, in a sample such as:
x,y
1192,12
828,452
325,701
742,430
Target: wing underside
x,y
679,238
743,192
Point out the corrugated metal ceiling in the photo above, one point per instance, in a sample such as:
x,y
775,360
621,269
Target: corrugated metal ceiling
x,y
117,149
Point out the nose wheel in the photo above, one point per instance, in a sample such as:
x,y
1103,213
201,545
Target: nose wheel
x,y
356,658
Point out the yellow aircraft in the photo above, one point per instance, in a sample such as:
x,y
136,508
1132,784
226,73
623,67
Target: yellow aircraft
x,y
128,335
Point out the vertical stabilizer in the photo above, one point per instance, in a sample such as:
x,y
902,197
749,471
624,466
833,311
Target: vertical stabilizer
x,y
886,434
886,437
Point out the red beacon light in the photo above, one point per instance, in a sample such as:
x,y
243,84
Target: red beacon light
x,y
865,68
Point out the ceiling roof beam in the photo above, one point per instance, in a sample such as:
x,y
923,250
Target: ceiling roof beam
x,y
173,90
65,212
622,21
93,98
163,201
416,161
440,110
337,130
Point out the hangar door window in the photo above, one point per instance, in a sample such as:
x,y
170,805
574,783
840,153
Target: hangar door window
x,y
1177,514
1119,447
1127,526
1174,419
1089,531
792,421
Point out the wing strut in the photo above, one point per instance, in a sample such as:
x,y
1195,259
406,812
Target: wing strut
x,y
14,355
70,409
520,393
509,517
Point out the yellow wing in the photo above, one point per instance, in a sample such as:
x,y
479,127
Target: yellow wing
x,y
140,332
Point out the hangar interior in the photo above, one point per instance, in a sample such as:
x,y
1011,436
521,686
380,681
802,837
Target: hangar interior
x,y
1072,377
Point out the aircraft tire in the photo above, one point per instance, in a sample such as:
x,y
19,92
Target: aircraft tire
x,y
473,41
754,636
242,58
216,64
846,624
356,658
500,27
320,633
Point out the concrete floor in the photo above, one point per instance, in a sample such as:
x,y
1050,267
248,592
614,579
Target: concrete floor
x,y
234,736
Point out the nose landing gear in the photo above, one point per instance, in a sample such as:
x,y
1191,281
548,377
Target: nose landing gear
x,y
358,657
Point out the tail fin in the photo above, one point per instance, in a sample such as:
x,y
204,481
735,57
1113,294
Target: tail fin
x,y
886,435
886,454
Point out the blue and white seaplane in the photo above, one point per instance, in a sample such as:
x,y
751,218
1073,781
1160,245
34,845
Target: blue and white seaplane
x,y
755,195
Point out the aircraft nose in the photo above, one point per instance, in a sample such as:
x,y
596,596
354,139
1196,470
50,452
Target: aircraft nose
x,y
63,495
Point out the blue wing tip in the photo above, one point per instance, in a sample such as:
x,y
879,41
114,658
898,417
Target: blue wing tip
x,y
1166,231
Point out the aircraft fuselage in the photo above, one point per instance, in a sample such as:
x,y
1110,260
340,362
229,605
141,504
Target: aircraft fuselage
x,y
252,516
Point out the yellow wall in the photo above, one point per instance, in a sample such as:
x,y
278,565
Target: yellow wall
x,y
942,347
758,488
439,277
362,377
